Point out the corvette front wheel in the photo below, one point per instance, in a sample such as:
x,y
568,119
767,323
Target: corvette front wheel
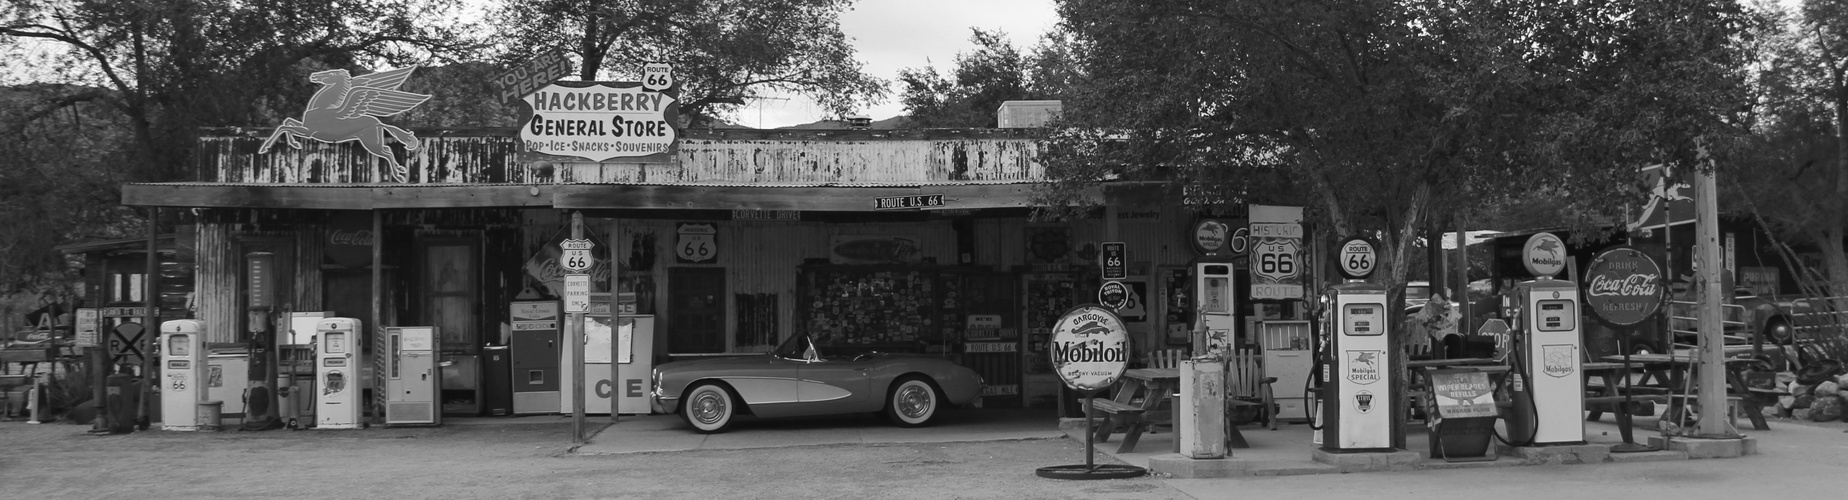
x,y
709,408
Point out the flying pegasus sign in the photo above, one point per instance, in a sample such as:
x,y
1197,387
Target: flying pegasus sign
x,y
348,108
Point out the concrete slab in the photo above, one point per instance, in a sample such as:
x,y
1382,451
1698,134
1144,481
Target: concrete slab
x,y
1370,461
1556,455
1708,448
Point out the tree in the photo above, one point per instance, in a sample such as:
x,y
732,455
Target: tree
x,y
724,52
1796,178
155,72
995,72
1377,114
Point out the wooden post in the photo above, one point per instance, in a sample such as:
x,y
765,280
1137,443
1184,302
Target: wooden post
x,y
150,328
378,315
1461,293
614,230
576,329
1713,404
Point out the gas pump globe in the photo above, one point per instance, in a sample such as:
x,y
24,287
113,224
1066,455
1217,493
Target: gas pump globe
x,y
1547,351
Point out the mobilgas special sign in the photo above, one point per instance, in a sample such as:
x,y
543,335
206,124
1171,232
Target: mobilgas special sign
x,y
598,121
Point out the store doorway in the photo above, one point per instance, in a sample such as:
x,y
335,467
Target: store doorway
x,y
449,281
696,309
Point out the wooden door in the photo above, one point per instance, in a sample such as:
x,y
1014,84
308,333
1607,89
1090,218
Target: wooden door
x,y
450,290
696,309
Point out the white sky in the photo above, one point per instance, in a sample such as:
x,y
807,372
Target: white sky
x,y
889,35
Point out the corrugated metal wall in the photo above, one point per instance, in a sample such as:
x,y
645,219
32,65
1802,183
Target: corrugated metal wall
x,y
494,159
215,285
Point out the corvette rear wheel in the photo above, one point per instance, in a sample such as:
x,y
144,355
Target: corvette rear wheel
x,y
709,408
914,401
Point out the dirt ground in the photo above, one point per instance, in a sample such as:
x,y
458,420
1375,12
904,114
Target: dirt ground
x,y
517,461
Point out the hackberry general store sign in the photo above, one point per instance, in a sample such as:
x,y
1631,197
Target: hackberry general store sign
x,y
597,121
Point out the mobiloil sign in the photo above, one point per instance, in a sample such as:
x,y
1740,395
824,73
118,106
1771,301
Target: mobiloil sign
x,y
1090,348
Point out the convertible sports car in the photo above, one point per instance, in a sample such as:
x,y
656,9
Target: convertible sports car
x,y
798,380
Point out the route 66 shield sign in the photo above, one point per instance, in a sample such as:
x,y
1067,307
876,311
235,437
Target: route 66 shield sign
x,y
697,243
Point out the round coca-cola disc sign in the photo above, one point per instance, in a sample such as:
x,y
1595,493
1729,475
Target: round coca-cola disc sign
x,y
1623,286
1090,348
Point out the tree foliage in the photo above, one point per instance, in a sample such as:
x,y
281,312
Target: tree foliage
x,y
144,77
995,72
724,52
1378,114
1796,175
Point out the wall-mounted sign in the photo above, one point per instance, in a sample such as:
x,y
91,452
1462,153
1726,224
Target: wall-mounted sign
x,y
749,214
597,121
913,202
1276,260
259,278
530,76
1114,259
89,323
874,249
1217,237
1090,348
1544,255
989,347
1623,286
1356,258
696,244
348,237
348,108
1113,295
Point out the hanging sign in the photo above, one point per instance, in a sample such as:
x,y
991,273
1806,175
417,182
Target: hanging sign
x,y
1356,259
576,255
1544,255
1090,348
1623,286
697,244
547,265
1215,237
913,202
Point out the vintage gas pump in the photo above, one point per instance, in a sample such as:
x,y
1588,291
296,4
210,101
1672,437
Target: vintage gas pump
x,y
1358,375
1546,357
336,370
182,373
1216,305
411,379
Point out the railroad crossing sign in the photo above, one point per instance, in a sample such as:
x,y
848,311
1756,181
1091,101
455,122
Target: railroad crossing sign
x,y
576,258
125,343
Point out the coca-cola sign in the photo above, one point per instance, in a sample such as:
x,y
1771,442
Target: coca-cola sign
x,y
1623,286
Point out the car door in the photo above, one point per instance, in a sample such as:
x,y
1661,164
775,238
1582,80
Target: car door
x,y
837,386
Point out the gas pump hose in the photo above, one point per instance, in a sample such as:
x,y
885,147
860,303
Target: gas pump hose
x,y
1516,370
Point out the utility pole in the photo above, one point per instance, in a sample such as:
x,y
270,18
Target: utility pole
x,y
1713,405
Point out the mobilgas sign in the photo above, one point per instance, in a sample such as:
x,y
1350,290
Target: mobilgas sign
x,y
1623,286
1544,255
1090,348
599,121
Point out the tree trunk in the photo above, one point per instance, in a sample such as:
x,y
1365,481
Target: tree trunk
x,y
1395,303
587,47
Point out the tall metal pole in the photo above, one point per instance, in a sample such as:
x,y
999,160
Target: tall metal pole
x,y
1712,360
616,383
576,327
378,318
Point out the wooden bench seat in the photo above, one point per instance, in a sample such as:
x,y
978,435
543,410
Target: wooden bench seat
x,y
1113,407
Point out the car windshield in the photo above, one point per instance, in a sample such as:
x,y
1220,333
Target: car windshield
x,y
797,347
1417,293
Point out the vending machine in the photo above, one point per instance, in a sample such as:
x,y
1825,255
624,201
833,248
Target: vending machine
x,y
1547,351
336,374
1216,306
411,380
182,373
535,349
1358,375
